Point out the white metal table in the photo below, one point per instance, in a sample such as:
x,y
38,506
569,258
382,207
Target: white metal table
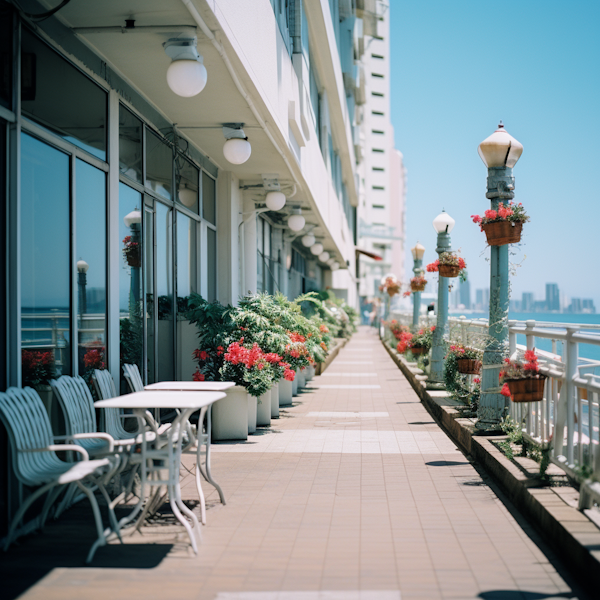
x,y
186,403
203,437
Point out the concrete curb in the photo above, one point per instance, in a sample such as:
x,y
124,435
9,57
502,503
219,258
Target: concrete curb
x,y
320,368
569,532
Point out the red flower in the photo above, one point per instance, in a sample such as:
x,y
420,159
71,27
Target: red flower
x,y
289,375
505,391
476,218
461,263
432,328
433,267
407,293
530,355
198,376
491,214
220,350
476,380
504,212
323,329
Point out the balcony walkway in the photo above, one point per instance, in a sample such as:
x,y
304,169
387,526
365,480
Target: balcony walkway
x,y
353,488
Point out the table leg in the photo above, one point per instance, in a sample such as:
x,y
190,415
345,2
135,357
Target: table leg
x,y
208,474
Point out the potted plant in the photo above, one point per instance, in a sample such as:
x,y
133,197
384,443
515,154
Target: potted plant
x,y
504,225
391,286
404,340
37,370
417,284
449,264
420,342
132,252
468,360
523,382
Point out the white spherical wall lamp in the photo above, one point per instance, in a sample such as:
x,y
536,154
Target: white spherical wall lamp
x,y
186,75
275,200
308,240
324,257
316,249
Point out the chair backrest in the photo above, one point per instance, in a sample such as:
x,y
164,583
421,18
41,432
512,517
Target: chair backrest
x,y
133,377
77,404
110,417
28,427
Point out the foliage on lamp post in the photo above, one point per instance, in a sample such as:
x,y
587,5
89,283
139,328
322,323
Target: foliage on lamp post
x,y
499,152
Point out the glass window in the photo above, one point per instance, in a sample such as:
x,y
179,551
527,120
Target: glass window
x,y
186,260
149,289
187,270
260,262
61,98
211,265
130,277
6,51
187,184
130,145
164,292
91,267
159,164
45,261
209,202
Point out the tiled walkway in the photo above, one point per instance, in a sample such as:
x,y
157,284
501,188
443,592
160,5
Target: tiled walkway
x,y
353,494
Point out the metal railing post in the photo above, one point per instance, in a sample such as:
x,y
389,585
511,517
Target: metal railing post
x,y
567,404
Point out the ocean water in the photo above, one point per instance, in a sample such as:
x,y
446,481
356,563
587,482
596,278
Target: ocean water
x,y
589,351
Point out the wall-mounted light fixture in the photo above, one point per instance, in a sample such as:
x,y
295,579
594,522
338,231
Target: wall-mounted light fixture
x,y
296,221
186,75
324,257
237,148
275,200
316,249
308,240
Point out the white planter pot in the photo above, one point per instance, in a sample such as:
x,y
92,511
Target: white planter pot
x,y
301,378
229,416
309,373
263,415
295,386
286,393
252,407
275,401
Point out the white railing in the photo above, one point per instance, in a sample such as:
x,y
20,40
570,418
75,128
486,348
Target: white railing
x,y
571,403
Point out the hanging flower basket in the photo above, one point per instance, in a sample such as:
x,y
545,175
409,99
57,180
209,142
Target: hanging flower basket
x,y
469,366
530,389
132,252
418,350
449,270
500,233
417,284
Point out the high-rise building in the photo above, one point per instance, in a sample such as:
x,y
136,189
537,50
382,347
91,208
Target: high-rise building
x,y
382,189
552,297
465,294
527,302
482,299
587,305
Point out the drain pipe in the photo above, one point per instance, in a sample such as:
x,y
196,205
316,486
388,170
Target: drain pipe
x,y
219,48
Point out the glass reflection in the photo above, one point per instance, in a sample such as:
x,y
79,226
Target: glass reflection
x,y
164,292
130,298
149,286
209,205
130,145
211,265
159,164
61,98
91,268
187,184
187,270
45,262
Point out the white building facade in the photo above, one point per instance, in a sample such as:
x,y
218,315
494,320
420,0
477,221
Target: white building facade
x,y
381,211
118,201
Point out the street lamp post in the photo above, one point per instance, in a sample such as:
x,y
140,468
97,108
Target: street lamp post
x,y
443,225
82,268
133,220
499,152
417,252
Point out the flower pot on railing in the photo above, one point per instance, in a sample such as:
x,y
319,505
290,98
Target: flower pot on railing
x,y
469,366
449,270
530,389
417,351
415,287
500,233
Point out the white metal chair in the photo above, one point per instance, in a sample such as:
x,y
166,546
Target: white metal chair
x,y
133,377
36,464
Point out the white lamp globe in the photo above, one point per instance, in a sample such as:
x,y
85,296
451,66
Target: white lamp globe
x,y
134,217
187,196
316,249
237,150
334,266
443,223
187,77
324,257
82,266
500,149
331,261
308,240
275,200
296,222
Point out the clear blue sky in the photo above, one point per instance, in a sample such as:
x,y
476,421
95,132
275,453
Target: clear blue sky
x,y
457,69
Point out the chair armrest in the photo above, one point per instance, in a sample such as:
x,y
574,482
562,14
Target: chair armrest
x,y
61,448
87,436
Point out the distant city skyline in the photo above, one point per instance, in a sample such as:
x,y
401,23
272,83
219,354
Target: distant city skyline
x,y
442,110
